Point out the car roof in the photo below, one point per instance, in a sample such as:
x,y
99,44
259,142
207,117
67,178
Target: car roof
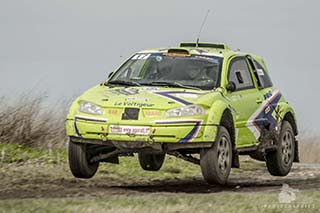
x,y
203,48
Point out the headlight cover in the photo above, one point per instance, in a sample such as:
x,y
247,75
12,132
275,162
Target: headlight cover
x,y
90,108
188,110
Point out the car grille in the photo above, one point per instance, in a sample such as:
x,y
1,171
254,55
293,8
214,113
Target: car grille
x,y
130,114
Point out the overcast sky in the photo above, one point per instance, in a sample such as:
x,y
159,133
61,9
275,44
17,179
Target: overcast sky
x,y
66,46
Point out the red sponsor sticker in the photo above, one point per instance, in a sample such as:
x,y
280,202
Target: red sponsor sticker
x,y
112,111
151,113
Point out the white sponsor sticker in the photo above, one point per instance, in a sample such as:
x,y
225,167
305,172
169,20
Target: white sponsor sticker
x,y
260,72
135,57
141,56
131,130
150,89
137,99
186,95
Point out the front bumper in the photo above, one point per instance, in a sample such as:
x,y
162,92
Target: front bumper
x,y
138,146
161,131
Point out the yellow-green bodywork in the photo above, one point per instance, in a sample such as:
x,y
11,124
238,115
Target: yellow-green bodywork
x,y
246,106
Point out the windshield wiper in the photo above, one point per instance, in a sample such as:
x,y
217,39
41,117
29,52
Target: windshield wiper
x,y
122,82
172,83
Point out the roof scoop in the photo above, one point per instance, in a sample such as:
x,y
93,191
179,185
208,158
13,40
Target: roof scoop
x,y
178,51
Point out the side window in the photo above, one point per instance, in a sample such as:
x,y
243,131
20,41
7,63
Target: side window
x,y
263,76
239,73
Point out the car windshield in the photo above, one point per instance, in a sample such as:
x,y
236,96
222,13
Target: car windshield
x,y
189,71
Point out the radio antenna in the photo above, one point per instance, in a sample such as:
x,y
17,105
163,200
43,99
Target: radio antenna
x,y
204,21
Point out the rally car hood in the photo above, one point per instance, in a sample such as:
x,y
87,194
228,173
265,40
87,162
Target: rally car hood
x,y
148,97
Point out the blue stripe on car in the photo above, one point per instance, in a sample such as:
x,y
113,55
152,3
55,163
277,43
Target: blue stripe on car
x,y
267,117
191,134
168,94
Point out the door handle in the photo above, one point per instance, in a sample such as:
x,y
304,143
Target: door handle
x,y
258,100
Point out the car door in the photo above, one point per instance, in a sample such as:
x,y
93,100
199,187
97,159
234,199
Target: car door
x,y
271,95
244,100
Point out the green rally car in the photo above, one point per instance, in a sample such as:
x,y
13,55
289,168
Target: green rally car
x,y
201,102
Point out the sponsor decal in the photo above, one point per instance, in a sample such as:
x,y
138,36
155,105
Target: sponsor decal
x,y
150,89
151,113
128,91
132,104
129,130
148,51
264,112
267,95
208,58
137,99
186,95
141,56
260,72
112,111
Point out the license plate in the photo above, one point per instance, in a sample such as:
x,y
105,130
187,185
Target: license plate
x,y
131,130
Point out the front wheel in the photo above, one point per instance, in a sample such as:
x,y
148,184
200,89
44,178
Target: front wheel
x,y
279,162
79,164
216,161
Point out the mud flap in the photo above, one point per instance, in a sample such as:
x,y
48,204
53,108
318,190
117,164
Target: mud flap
x,y
296,152
235,159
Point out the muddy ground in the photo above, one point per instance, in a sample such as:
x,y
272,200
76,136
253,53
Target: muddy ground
x,y
36,179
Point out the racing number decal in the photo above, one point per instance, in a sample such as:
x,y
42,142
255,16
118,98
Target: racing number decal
x,y
264,113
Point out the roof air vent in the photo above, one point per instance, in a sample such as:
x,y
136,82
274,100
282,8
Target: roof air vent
x,y
204,45
178,52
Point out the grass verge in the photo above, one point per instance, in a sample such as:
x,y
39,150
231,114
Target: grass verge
x,y
158,203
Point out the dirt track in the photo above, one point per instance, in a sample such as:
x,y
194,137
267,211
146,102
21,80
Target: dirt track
x,y
54,181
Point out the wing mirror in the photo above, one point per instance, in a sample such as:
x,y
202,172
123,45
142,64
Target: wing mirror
x,y
231,86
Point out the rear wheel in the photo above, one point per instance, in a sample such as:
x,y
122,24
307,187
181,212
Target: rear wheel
x,y
279,162
151,162
216,161
79,157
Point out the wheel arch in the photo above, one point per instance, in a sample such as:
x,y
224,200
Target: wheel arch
x,y
288,115
291,119
228,122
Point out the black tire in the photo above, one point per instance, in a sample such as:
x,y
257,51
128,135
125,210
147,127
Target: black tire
x,y
79,161
279,162
216,161
151,162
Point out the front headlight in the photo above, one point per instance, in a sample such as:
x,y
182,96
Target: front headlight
x,y
90,108
186,111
